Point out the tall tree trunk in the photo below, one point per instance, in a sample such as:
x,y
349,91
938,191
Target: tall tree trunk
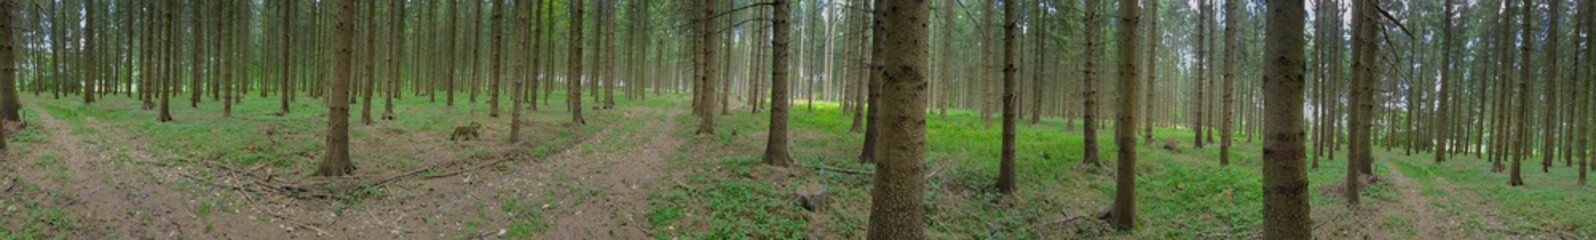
x,y
776,148
8,67
369,62
10,103
873,89
1285,180
396,57
1446,79
1228,103
1089,75
1124,216
450,67
704,86
1362,96
573,80
1203,37
336,161
1551,127
88,53
1521,140
225,53
287,55
496,42
167,56
522,35
1011,25
1154,38
897,208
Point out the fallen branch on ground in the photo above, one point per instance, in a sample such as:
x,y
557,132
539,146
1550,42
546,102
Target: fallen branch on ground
x,y
836,169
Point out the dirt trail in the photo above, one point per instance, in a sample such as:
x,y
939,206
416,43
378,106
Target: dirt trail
x,y
1418,209
106,199
612,186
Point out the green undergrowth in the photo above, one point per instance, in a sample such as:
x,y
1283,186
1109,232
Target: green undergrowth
x,y
1551,204
1182,194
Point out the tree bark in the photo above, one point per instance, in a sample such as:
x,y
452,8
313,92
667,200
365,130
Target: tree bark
x,y
573,81
1011,25
1228,103
897,208
1089,75
776,148
1285,180
1124,216
8,67
336,161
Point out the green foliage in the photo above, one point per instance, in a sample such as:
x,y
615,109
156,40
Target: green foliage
x,y
527,218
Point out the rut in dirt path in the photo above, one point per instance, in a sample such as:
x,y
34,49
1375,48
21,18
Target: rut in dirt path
x,y
618,181
109,199
1417,208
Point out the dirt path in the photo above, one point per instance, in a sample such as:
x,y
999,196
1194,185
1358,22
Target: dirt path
x,y
1418,209
610,188
107,199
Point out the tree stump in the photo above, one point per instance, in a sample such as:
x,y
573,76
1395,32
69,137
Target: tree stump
x,y
812,196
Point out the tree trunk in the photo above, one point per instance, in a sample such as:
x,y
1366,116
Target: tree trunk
x,y
776,149
897,208
1089,75
1228,103
873,89
1011,24
8,67
1521,140
1124,216
369,62
336,162
1285,180
288,38
88,53
496,42
1446,79
168,57
573,81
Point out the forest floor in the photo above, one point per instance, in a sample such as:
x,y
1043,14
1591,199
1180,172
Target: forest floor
x,y
108,170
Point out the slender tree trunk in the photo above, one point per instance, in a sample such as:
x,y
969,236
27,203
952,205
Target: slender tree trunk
x,y
1154,38
1089,73
88,53
1011,25
704,91
873,88
1515,178
167,56
1551,127
1446,79
8,67
369,62
1228,103
336,161
287,53
573,80
1124,216
776,148
496,42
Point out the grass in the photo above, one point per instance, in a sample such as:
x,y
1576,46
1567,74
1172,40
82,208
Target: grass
x,y
725,192
1182,194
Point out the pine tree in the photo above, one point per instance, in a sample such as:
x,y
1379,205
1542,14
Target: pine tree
x,y
1124,210
776,152
897,208
336,161
1285,181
